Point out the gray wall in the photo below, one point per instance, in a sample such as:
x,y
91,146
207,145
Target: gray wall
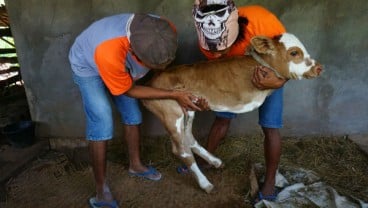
x,y
334,32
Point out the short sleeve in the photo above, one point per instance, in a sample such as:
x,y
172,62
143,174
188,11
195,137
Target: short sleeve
x,y
110,58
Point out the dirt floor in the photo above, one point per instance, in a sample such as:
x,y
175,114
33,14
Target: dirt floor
x,y
55,180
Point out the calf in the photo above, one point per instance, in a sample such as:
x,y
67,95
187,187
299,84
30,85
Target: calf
x,y
226,85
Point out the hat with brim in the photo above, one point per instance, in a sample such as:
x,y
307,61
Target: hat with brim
x,y
153,40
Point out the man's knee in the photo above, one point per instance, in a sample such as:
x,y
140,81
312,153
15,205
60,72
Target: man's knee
x,y
271,132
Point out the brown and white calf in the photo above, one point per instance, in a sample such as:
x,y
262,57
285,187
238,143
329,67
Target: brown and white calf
x,y
226,85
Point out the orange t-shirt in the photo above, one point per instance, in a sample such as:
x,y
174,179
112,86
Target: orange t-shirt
x,y
110,59
260,22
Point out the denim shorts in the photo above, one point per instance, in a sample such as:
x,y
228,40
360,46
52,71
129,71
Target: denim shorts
x,y
269,113
97,106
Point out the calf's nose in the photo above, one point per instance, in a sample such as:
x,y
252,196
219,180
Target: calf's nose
x,y
319,69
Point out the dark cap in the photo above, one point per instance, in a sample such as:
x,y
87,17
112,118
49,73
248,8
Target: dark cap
x,y
153,40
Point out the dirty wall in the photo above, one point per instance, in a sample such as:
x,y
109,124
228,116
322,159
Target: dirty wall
x,y
334,32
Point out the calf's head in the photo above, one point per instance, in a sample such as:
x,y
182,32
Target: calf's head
x,y
286,55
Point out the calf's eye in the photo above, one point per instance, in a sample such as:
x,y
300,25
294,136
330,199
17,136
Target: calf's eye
x,y
294,53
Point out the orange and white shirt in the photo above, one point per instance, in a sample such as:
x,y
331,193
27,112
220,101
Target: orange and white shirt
x,y
103,49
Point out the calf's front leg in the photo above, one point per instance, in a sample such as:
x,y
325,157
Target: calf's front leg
x,y
196,147
181,147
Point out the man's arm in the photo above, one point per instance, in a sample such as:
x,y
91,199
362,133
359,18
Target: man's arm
x,y
185,99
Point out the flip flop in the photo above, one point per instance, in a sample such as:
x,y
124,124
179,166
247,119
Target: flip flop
x,y
260,197
182,169
148,174
93,203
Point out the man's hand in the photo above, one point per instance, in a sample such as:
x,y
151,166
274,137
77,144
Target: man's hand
x,y
264,78
189,102
201,103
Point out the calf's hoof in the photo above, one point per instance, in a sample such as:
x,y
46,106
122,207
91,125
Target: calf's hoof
x,y
218,164
221,166
209,188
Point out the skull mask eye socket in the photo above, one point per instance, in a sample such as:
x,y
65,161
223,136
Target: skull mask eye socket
x,y
221,13
215,9
212,8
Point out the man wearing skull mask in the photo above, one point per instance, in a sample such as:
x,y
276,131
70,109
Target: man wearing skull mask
x,y
223,31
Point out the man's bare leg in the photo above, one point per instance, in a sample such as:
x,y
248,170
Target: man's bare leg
x,y
97,152
132,138
272,152
217,133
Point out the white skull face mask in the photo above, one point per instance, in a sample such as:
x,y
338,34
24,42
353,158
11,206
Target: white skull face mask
x,y
216,24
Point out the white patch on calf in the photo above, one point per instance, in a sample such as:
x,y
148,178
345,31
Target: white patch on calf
x,y
289,41
184,155
240,108
191,113
204,152
299,69
178,123
202,180
256,102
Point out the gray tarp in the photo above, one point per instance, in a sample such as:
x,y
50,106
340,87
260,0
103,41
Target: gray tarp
x,y
304,188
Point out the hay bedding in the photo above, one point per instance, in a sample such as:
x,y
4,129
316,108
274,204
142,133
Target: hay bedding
x,y
55,181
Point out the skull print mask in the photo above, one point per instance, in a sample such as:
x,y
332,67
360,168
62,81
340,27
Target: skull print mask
x,y
216,23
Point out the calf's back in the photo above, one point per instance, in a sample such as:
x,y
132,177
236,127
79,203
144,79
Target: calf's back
x,y
223,82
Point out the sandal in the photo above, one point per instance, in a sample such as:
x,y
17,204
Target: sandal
x,y
93,203
183,169
261,197
149,174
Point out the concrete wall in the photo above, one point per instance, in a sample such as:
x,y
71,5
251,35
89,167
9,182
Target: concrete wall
x,y
334,32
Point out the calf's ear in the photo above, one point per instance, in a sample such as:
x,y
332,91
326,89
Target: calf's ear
x,y
262,44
